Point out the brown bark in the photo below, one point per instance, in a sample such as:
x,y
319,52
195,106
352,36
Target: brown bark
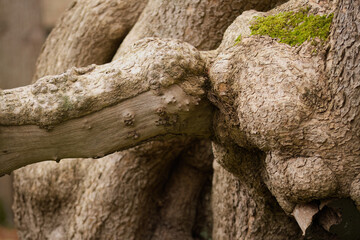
x,y
344,68
90,31
67,63
178,213
70,59
243,207
285,127
290,104
200,23
93,200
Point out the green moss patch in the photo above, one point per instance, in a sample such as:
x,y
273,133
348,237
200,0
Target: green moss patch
x,y
293,28
238,39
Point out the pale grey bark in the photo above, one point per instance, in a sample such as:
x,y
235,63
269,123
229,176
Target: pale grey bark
x,y
150,65
125,103
285,127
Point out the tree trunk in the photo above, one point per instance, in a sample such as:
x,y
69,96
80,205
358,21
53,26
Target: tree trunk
x,y
90,31
243,207
276,128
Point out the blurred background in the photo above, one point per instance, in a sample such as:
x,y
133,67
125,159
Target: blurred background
x,y
24,25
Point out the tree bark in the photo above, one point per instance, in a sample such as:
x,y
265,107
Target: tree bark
x,y
343,66
243,207
90,204
119,111
201,23
68,62
90,31
53,50
285,126
290,104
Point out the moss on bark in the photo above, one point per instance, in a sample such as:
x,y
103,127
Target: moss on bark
x,y
293,28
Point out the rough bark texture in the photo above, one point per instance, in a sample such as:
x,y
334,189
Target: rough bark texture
x,y
68,62
290,104
92,200
243,207
90,31
129,96
344,68
178,213
200,23
150,65
286,128
63,62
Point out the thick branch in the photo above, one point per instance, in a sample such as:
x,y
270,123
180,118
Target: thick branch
x,y
153,91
